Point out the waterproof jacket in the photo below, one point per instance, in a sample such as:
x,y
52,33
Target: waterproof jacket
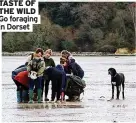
x,y
64,78
76,69
40,66
22,78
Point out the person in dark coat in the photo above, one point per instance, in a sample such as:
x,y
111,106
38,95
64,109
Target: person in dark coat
x,y
60,67
48,62
58,78
71,66
77,71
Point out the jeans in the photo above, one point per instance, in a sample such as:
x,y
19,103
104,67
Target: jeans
x,y
37,83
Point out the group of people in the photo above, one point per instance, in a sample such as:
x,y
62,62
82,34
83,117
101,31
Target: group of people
x,y
34,76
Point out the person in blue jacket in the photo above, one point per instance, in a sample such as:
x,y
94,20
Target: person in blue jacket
x,y
58,78
60,67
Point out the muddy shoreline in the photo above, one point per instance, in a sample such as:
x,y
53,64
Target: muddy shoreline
x,y
94,106
73,53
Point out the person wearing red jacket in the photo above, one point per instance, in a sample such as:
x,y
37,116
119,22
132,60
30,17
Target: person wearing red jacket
x,y
20,77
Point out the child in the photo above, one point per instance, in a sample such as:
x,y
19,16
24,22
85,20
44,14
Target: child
x,y
64,78
58,78
22,80
20,77
36,68
49,62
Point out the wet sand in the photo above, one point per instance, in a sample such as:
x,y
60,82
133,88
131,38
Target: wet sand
x,y
94,105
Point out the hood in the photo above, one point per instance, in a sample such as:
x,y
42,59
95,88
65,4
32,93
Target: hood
x,y
72,60
59,67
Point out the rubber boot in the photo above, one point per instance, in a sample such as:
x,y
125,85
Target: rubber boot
x,y
39,95
30,96
35,97
24,96
19,96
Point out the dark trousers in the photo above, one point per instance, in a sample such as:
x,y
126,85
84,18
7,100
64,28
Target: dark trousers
x,y
42,85
45,83
56,88
46,87
20,87
37,83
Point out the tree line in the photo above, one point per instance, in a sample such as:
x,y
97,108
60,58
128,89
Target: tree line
x,y
78,26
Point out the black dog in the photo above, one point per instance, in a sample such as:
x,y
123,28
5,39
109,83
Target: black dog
x,y
117,79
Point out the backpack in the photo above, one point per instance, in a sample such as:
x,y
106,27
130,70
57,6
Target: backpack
x,y
75,86
18,70
35,64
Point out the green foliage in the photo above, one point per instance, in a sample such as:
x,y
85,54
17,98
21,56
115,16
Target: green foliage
x,y
68,45
78,27
61,13
8,43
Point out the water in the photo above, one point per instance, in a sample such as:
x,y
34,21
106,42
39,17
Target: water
x,y
94,105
